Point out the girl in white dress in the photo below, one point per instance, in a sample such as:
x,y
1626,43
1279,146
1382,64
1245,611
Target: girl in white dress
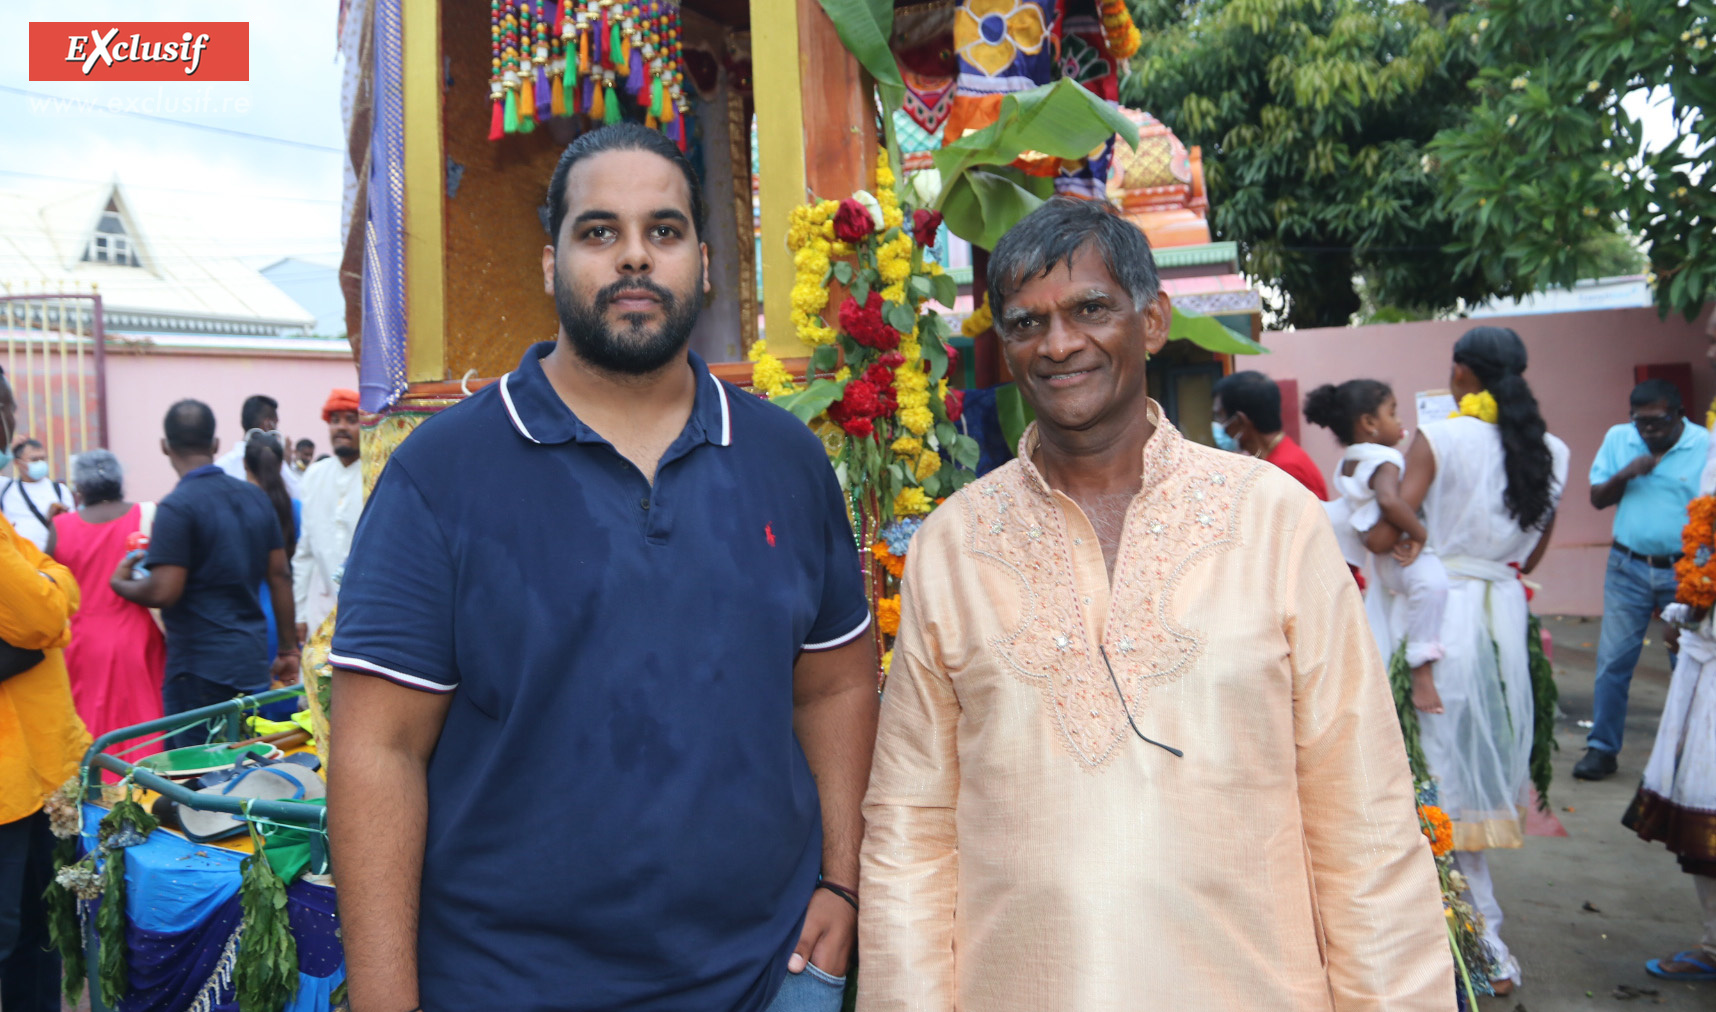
x,y
1362,414
1489,481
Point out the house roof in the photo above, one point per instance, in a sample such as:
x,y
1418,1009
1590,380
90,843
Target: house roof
x,y
182,282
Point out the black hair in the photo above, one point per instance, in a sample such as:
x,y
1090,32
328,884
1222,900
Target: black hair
x,y
1054,233
1657,391
1338,408
617,137
1254,394
190,427
311,443
255,406
26,444
1496,356
262,456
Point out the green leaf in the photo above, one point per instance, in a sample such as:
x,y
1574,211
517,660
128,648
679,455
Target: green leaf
x,y
813,400
1207,332
843,271
944,289
932,486
1061,120
900,317
860,287
826,358
935,353
982,204
945,434
965,451
864,27
1014,415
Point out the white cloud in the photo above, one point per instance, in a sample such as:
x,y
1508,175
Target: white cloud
x,y
251,197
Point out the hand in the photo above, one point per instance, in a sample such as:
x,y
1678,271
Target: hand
x,y
56,509
303,634
1642,465
830,928
1406,552
284,671
1671,639
1424,694
127,565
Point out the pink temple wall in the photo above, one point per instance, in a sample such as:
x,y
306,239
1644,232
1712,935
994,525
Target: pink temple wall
x,y
142,386
1581,370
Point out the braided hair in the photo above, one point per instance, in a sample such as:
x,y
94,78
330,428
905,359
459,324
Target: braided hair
x,y
1496,356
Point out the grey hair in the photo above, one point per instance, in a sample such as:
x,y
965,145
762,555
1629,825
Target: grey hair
x,y
1053,233
98,477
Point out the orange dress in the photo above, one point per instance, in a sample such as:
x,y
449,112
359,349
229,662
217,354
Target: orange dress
x,y
117,656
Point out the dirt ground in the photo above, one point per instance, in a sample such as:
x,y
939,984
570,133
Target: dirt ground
x,y
1585,911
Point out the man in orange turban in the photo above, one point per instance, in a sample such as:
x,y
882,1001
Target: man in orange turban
x,y
333,501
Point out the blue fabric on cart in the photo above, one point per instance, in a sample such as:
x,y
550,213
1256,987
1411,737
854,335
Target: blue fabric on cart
x,y
183,906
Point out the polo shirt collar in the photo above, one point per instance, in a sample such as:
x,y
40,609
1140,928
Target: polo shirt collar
x,y
201,472
539,415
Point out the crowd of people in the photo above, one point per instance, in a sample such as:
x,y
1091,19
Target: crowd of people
x,y
1138,742
155,608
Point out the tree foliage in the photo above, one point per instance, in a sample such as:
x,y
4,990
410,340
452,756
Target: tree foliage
x,y
1314,116
1549,160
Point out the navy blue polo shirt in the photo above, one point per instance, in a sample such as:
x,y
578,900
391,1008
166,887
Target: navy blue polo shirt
x,y
221,531
620,815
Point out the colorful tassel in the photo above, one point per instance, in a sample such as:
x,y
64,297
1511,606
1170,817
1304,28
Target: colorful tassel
x,y
557,101
650,121
510,119
544,94
614,44
497,121
612,113
635,80
655,103
589,103
598,106
680,120
526,97
667,111
598,38
584,53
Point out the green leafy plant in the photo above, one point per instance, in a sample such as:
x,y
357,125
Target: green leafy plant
x,y
1551,158
1545,694
120,828
266,972
65,931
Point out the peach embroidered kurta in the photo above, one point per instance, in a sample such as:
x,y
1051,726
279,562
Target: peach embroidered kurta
x,y
1025,851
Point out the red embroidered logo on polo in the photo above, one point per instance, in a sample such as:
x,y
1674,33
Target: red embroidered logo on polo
x,y
769,532
140,51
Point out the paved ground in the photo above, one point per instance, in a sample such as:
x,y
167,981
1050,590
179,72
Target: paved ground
x,y
1576,957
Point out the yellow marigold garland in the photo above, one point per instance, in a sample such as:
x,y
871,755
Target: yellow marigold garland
x,y
810,236
1481,405
1437,827
979,321
1696,569
888,615
912,502
768,376
894,564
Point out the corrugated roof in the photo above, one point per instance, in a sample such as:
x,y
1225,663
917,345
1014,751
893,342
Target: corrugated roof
x,y
42,242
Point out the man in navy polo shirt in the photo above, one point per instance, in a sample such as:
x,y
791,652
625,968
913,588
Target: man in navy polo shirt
x,y
215,540
604,696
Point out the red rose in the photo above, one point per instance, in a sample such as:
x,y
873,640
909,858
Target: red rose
x,y
861,428
924,227
863,323
952,360
955,404
859,400
852,222
893,360
882,378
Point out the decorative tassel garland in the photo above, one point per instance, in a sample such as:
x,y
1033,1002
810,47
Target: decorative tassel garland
x,y
526,103
544,96
584,53
497,120
614,45
598,105
635,80
655,103
680,120
510,118
611,114
557,103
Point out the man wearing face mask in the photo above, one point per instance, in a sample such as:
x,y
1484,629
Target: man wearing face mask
x,y
29,500
1246,418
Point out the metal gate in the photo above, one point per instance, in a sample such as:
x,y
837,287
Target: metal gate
x,y
56,361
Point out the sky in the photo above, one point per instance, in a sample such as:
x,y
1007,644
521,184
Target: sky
x,y
246,195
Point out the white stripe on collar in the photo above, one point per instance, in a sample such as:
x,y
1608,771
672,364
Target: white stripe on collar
x,y
726,421
517,422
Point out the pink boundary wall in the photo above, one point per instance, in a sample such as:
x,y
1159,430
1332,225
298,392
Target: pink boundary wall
x,y
1581,370
141,386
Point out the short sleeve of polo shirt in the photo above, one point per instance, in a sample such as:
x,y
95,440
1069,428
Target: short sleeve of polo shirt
x,y
1608,461
844,613
172,539
397,592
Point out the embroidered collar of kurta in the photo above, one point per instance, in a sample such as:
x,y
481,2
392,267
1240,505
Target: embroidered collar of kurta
x,y
1185,512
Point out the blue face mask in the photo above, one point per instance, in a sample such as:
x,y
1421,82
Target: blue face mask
x,y
37,470
1222,439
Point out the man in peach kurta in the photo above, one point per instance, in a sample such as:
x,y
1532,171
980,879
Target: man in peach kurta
x,y
1137,748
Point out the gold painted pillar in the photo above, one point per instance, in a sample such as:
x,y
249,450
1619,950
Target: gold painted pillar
x,y
780,159
425,235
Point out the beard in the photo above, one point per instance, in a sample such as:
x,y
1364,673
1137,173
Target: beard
x,y
635,350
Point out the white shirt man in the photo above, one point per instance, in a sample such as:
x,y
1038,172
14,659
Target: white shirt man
x,y
333,502
28,500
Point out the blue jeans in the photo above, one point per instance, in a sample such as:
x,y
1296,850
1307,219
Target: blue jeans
x,y
184,692
810,991
1632,592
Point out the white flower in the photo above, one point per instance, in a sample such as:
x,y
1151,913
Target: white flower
x,y
870,203
927,185
1592,86
1511,120
1484,24
1700,42
1519,83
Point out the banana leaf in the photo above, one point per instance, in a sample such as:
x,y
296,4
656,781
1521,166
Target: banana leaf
x,y
985,203
1209,333
1062,120
1013,413
864,27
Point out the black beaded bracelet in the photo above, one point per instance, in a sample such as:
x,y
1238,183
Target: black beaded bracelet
x,y
841,891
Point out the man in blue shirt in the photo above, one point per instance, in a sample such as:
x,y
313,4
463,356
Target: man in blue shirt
x,y
1651,468
214,542
604,690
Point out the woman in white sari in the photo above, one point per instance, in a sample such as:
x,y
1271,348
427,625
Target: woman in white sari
x,y
1488,482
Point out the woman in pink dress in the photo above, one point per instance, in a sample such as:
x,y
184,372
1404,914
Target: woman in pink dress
x,y
117,654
